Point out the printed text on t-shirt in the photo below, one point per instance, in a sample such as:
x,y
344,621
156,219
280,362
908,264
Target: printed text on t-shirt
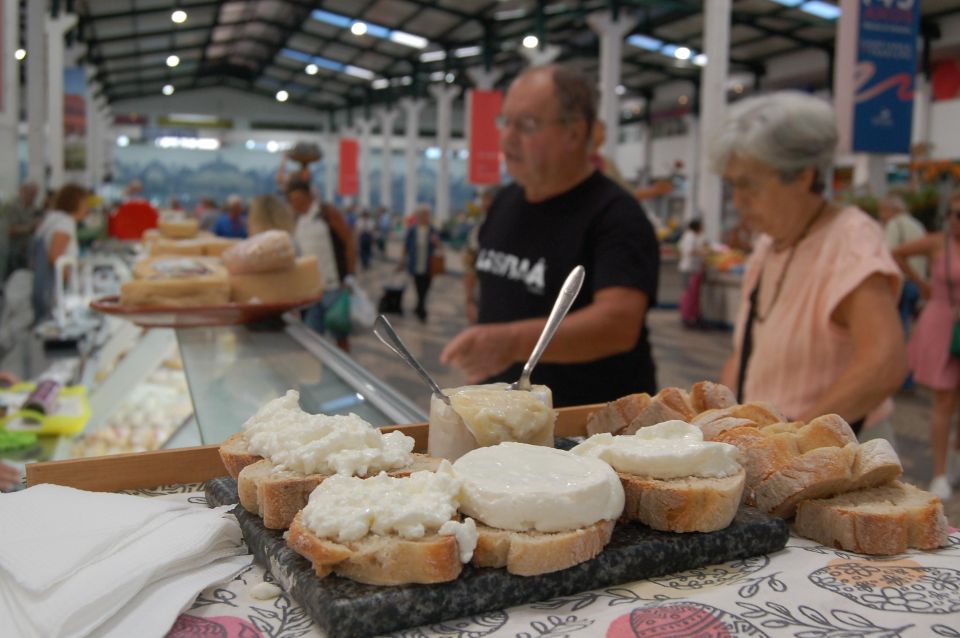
x,y
514,268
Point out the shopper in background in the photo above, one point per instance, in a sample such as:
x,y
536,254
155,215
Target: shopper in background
x,y
384,222
231,223
321,231
268,212
55,237
419,246
9,477
900,227
931,361
206,213
366,228
134,215
21,217
817,330
470,251
560,213
693,247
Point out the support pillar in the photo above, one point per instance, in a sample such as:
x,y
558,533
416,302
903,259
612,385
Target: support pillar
x,y
9,102
540,56
366,127
713,111
870,174
387,117
445,94
921,109
56,29
611,34
411,108
36,94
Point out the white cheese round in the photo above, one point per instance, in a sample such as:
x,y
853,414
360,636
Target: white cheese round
x,y
524,487
668,450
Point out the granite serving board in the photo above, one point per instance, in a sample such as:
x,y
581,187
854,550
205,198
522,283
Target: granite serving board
x,y
342,607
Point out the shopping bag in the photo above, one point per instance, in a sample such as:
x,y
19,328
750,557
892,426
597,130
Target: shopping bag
x,y
438,264
362,312
337,317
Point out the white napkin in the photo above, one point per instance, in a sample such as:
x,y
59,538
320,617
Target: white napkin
x,y
49,532
169,546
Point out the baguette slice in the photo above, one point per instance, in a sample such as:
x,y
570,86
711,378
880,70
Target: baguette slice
x,y
678,401
881,520
235,454
531,553
706,395
759,412
876,464
817,474
277,495
617,415
691,504
379,560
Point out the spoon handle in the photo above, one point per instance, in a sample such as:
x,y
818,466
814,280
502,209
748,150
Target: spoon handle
x,y
568,294
391,339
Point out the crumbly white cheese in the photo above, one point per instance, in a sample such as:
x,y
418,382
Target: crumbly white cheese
x,y
348,508
466,535
524,487
673,449
319,444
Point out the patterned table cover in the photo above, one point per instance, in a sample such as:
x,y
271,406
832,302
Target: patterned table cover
x,y
806,591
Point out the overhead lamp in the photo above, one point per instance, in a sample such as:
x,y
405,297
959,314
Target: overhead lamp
x,y
620,90
358,72
381,83
466,52
437,76
282,96
312,69
408,39
682,53
273,146
250,144
531,41
20,54
433,56
179,16
358,28
168,89
123,141
173,60
700,59
450,77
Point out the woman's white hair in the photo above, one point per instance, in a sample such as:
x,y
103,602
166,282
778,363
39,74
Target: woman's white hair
x,y
788,130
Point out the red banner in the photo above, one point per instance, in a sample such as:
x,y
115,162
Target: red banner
x,y
349,173
484,137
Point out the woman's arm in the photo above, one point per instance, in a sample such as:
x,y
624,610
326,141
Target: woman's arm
x,y
58,246
879,363
926,246
728,373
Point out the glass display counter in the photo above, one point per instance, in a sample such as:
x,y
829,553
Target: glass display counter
x,y
232,371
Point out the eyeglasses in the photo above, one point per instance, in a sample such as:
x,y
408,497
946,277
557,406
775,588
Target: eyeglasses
x,y
749,186
526,124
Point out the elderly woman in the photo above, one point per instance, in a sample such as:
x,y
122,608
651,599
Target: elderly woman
x,y
817,330
932,363
55,237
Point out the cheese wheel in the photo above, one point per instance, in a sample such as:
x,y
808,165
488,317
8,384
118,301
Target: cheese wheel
x,y
178,228
211,290
174,247
300,282
267,252
215,246
177,267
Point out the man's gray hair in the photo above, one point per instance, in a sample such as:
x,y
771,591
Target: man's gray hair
x,y
894,201
788,130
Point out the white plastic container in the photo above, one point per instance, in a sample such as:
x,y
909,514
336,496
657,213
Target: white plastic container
x,y
525,417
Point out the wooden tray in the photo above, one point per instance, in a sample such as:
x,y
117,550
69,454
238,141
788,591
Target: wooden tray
x,y
197,316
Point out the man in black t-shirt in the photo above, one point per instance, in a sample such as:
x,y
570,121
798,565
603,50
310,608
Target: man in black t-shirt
x,y
560,213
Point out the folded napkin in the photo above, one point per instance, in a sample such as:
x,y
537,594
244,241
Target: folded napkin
x,y
49,532
157,569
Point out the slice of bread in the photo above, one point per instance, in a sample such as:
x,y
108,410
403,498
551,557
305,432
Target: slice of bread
x,y
235,454
706,395
882,520
713,430
277,495
818,473
379,560
531,553
690,504
876,463
759,412
617,415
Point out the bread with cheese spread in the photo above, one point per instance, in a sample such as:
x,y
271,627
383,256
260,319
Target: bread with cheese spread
x,y
883,520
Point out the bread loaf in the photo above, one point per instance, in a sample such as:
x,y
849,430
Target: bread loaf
x,y
269,251
617,415
208,290
303,281
882,520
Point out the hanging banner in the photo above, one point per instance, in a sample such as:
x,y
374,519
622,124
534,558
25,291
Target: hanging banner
x,y
349,173
884,75
74,119
484,163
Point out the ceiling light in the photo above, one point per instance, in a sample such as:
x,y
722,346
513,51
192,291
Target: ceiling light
x,y
282,96
312,69
173,60
682,53
380,83
531,41
20,54
358,28
408,39
509,14
620,90
272,146
645,42
123,140
683,99
466,52
168,89
359,72
250,145
450,78
433,56
179,16
437,76
820,9
700,59
406,80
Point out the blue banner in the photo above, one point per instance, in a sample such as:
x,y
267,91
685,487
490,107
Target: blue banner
x,y
884,75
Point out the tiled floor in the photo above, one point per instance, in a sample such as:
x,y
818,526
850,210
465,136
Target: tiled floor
x,y
682,356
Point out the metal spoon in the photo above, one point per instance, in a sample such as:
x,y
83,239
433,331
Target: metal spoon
x,y
568,293
391,339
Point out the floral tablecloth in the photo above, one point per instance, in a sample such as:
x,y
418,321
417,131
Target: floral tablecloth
x,y
806,591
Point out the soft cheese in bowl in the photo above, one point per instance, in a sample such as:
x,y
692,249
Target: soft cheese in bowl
x,y
482,415
673,480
